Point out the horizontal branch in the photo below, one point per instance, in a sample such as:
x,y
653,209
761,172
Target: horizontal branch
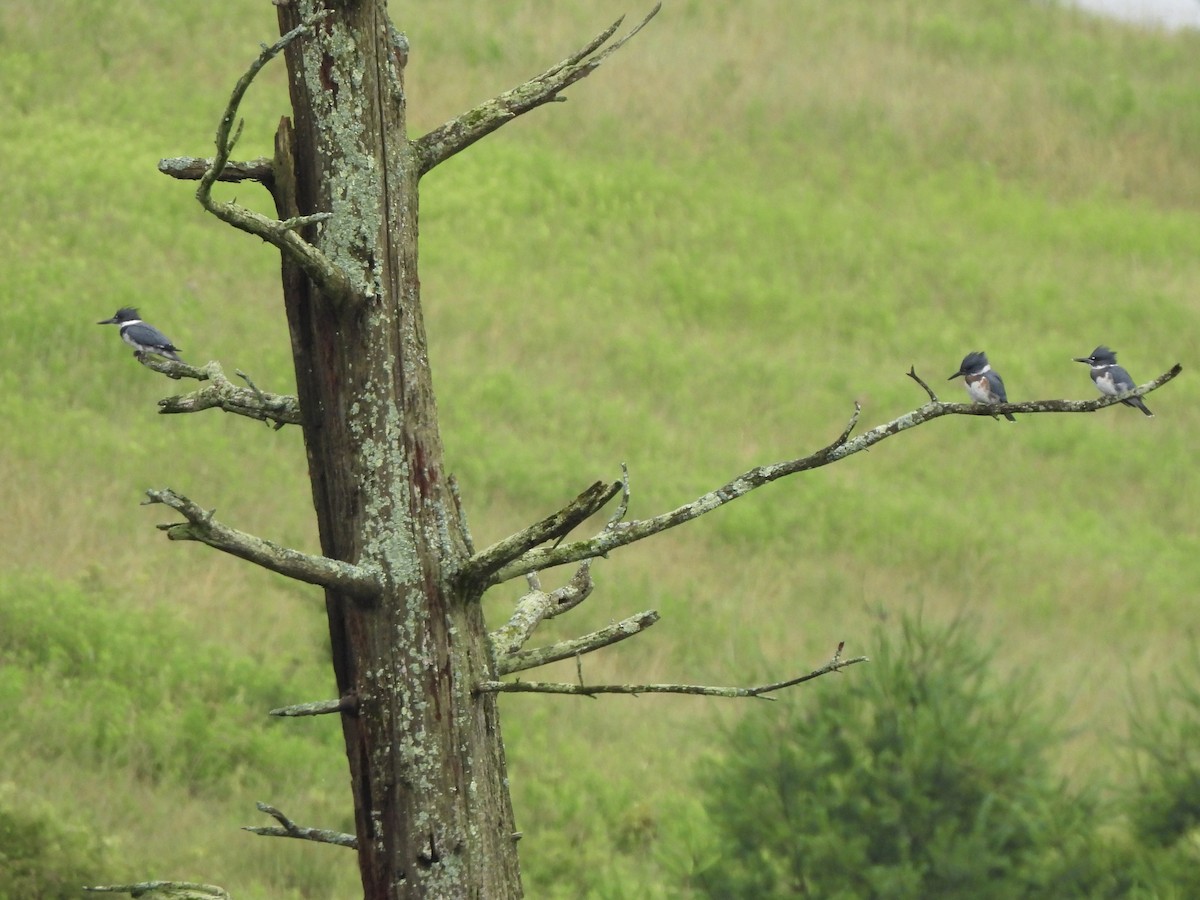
x,y
347,704
699,690
329,278
456,135
484,563
288,828
611,634
193,168
221,393
201,526
176,369
164,890
536,560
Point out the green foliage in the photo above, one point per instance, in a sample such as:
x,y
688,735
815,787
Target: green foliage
x,y
112,690
1164,802
921,774
41,857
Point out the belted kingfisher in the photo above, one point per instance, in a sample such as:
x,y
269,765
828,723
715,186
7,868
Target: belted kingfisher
x,y
983,384
1110,378
141,337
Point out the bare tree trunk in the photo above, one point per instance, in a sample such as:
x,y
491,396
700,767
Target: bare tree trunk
x,y
432,811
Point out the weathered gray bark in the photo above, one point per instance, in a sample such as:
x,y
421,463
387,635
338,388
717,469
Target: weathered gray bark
x,y
432,812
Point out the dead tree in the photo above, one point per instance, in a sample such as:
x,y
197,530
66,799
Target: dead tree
x,y
417,670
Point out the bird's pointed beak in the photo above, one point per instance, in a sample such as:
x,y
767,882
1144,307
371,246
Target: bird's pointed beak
x,y
1084,359
112,321
955,375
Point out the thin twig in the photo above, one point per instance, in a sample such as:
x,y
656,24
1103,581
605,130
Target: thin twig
x,y
912,373
849,429
619,513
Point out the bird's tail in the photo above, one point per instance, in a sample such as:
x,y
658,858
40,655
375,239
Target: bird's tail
x,y
1136,403
1010,417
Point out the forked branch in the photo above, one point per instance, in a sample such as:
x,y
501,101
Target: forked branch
x,y
451,137
700,690
283,234
203,527
612,537
221,393
536,605
556,525
288,828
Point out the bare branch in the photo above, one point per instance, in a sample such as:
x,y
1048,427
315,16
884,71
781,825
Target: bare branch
x,y
618,515
221,393
702,690
346,704
574,592
176,369
201,526
451,137
912,373
193,168
612,634
329,278
483,564
291,829
849,429
468,541
537,605
627,533
164,890
529,612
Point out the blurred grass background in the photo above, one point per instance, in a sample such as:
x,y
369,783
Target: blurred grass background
x,y
749,218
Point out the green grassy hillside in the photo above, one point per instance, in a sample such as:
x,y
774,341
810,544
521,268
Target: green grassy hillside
x,y
751,217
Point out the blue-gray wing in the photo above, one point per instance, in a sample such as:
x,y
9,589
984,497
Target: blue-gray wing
x,y
149,336
996,383
1122,380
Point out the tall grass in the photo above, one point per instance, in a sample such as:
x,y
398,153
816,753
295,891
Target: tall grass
x,y
751,217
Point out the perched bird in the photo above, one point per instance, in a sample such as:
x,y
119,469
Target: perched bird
x,y
983,384
1110,378
141,337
